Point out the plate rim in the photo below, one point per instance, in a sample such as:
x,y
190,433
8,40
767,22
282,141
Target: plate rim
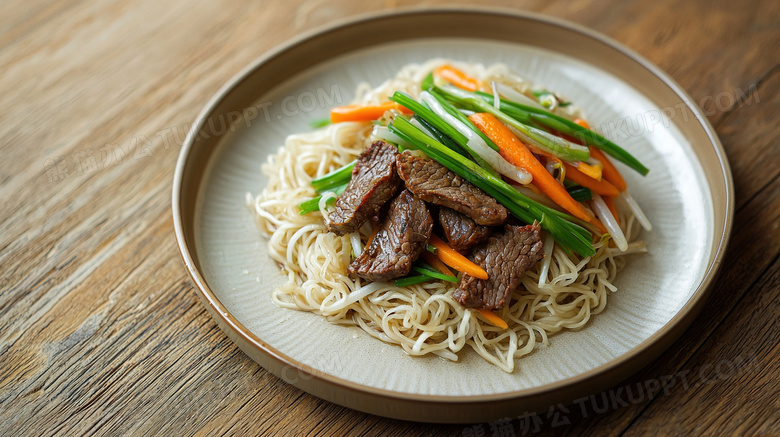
x,y
239,334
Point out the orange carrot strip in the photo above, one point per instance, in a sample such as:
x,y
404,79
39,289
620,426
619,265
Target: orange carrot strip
x,y
364,112
609,172
514,151
436,263
610,202
493,319
537,151
601,187
457,78
593,171
582,123
455,260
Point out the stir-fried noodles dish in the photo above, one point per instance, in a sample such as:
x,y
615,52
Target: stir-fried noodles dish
x,y
454,205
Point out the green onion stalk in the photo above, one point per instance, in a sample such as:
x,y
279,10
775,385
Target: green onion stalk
x,y
312,205
580,194
425,269
335,178
425,273
411,280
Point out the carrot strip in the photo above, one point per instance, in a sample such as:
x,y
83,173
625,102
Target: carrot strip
x,y
455,260
601,187
610,202
436,263
364,112
493,319
609,172
514,151
457,78
582,123
593,171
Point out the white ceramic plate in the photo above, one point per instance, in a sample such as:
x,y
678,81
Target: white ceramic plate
x,y
234,267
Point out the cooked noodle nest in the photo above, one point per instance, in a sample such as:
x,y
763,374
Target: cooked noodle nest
x,y
423,318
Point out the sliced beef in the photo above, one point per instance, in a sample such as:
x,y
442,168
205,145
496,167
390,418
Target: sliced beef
x,y
434,183
401,238
374,182
461,232
505,257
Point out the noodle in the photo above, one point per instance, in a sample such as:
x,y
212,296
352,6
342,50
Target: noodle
x,y
424,318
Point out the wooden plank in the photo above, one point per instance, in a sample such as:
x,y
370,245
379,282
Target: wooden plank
x,y
750,135
730,386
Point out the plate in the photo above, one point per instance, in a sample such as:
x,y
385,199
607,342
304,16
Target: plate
x,y
688,196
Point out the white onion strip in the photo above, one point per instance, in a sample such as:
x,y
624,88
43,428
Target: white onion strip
x,y
496,97
447,355
549,242
516,96
606,217
640,215
357,245
477,144
353,297
383,133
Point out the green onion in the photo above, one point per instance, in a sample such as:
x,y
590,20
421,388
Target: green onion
x,y
540,93
431,248
427,270
440,137
411,280
312,205
548,100
462,118
320,122
426,273
568,127
555,145
580,193
333,179
423,112
427,83
568,234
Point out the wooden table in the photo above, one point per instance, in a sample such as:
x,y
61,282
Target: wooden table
x,y
100,329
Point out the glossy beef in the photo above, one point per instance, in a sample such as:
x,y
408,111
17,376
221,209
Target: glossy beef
x,y
505,256
374,182
461,232
401,238
434,183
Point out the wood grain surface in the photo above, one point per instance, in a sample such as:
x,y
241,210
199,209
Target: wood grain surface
x,y
100,329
